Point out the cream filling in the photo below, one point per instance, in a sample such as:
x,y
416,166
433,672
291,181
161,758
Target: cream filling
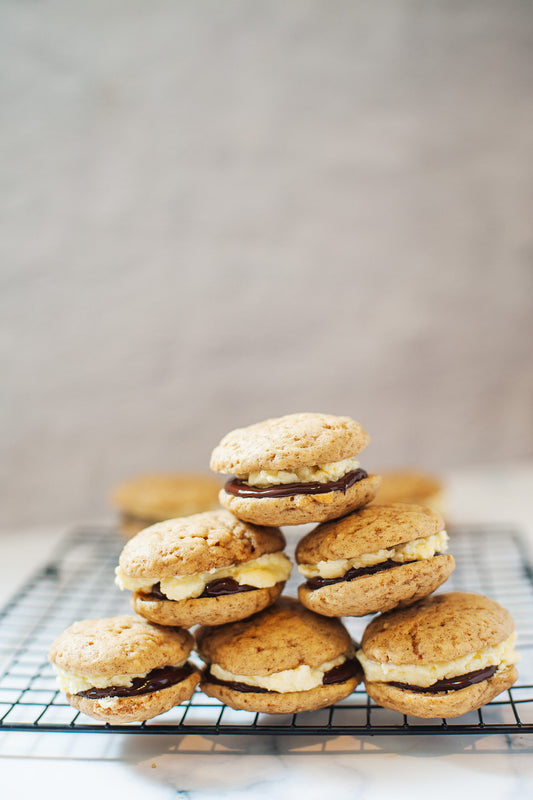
x,y
501,655
417,550
260,572
300,679
73,682
323,473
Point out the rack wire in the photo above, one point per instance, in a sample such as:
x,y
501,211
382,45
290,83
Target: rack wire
x,y
78,583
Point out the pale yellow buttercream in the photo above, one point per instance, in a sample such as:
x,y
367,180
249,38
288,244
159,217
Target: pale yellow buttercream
x,y
416,550
322,473
72,682
424,675
300,679
262,572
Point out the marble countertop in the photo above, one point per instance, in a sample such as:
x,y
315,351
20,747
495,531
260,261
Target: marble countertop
x,y
205,767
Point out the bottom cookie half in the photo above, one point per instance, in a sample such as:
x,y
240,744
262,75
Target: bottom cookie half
x,y
392,588
442,704
299,509
205,610
281,703
137,708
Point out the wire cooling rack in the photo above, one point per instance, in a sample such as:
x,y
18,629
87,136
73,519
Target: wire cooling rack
x,y
78,583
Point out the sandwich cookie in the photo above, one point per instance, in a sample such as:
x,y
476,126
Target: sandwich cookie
x,y
147,499
204,569
294,469
374,559
123,669
442,657
283,660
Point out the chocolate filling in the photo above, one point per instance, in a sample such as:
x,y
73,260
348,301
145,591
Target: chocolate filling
x,y
242,489
218,587
155,593
348,669
344,672
450,684
225,586
354,572
157,679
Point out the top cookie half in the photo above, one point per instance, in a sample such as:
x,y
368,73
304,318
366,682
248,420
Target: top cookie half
x,y
288,443
294,469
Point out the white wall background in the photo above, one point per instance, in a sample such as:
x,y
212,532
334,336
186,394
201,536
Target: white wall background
x,y
217,212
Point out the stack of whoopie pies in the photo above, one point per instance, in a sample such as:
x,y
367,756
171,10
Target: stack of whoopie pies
x,y
225,570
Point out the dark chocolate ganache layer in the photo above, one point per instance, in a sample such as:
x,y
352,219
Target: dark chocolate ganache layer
x,y
155,593
451,684
222,586
354,572
344,672
157,679
216,588
240,488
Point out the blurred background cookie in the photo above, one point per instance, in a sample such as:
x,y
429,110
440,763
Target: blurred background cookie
x,y
411,486
146,499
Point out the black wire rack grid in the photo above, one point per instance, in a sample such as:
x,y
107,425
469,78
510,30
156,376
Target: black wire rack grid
x,y
78,583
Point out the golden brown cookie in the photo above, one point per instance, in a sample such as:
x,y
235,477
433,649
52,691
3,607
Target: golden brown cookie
x,y
282,660
208,568
443,656
374,559
205,610
294,469
147,499
123,669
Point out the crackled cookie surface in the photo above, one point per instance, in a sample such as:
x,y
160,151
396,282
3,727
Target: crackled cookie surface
x,y
294,469
123,668
441,657
375,559
283,660
206,569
